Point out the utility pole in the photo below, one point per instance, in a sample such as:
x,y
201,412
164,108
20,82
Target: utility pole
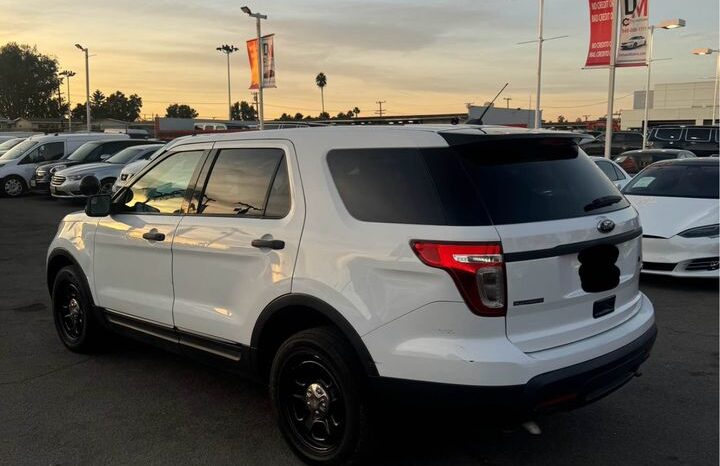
x,y
507,101
611,79
380,110
227,49
87,85
68,74
255,99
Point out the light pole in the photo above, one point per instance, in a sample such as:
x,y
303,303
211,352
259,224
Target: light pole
x,y
667,24
68,74
258,17
717,77
87,86
227,50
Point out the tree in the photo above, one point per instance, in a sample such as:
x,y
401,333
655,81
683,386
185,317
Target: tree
x,y
321,82
324,116
578,120
243,111
28,82
180,111
561,119
298,116
356,111
120,107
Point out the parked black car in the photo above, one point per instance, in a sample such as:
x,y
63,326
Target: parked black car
x,y
622,141
94,151
700,140
635,160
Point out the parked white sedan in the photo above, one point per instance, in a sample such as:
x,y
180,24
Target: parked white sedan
x,y
678,205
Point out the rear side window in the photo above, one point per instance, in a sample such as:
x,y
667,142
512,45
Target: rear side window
x,y
668,134
698,134
479,183
608,169
240,182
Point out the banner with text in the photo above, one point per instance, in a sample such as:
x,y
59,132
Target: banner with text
x,y
268,61
601,18
633,46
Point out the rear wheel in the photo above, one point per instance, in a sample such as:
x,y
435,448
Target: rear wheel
x,y
12,186
72,311
106,186
317,395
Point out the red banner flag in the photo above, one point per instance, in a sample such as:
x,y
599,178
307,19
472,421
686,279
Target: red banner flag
x,y
252,50
601,18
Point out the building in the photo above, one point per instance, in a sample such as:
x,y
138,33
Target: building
x,y
504,116
674,103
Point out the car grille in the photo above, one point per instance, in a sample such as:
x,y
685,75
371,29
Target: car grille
x,y
57,180
706,263
659,266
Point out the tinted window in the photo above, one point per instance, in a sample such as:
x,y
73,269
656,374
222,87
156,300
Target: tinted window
x,y
608,169
698,134
668,134
45,152
676,180
620,175
239,182
278,204
163,188
627,138
469,184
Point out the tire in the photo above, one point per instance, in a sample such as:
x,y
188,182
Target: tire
x,y
12,186
106,186
72,309
317,392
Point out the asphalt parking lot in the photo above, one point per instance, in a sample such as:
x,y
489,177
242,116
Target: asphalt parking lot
x,y
134,404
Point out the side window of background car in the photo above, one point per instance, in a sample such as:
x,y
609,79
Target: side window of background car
x,y
163,188
240,182
608,169
45,152
697,134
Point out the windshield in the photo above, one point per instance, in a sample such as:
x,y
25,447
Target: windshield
x,y
676,180
10,143
18,150
84,151
125,155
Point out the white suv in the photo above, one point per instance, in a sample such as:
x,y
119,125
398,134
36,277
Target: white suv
x,y
342,262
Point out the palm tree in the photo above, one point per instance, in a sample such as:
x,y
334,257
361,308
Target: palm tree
x,y
321,81
356,111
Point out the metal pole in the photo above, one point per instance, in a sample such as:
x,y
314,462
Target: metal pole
x,y
87,90
715,91
261,113
538,123
69,107
611,81
229,98
647,86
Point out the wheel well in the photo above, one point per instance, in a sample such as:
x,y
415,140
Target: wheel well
x,y
56,263
286,321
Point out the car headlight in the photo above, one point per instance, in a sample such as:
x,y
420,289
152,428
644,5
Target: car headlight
x,y
707,231
59,167
75,177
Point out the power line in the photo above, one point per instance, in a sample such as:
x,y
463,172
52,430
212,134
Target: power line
x,y
379,112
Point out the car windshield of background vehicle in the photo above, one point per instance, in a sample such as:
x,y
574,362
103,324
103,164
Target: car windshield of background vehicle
x,y
676,180
18,150
668,134
84,151
10,143
126,155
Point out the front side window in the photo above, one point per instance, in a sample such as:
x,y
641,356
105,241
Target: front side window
x,y
163,188
240,182
46,152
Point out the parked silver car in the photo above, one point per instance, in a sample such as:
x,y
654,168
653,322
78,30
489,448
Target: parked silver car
x,y
66,183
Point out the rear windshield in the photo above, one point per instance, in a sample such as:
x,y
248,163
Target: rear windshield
x,y
478,183
676,180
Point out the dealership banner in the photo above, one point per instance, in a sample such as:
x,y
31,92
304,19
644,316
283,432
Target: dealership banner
x,y
268,61
633,46
601,18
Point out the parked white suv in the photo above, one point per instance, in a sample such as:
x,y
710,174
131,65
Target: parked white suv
x,y
343,262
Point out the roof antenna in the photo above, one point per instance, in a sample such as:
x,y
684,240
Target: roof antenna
x,y
479,121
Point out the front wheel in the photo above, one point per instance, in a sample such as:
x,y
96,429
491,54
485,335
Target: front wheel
x,y
72,311
106,186
317,394
12,186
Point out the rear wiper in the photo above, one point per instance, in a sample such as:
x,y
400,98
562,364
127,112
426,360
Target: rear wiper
x,y
602,202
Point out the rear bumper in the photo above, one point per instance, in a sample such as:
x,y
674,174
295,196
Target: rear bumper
x,y
566,388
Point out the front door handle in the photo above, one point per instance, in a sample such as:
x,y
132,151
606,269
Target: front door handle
x,y
154,235
268,243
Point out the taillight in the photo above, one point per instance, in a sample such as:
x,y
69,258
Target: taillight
x,y
476,268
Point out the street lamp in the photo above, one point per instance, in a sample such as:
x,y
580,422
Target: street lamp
x,y
68,74
227,50
87,86
258,17
717,76
667,24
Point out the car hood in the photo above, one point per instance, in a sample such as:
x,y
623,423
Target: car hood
x,y
46,166
88,168
667,216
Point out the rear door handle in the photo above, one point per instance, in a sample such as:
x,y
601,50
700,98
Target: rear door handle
x,y
154,235
268,243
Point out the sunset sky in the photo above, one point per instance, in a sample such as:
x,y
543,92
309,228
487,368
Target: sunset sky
x,y
420,56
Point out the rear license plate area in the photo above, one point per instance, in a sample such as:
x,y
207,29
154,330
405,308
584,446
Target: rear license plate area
x,y
603,307
598,271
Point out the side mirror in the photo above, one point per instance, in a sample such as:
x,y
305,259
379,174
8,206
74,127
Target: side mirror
x,y
105,156
89,186
98,205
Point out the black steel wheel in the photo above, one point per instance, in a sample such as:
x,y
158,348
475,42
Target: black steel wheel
x,y
72,312
317,393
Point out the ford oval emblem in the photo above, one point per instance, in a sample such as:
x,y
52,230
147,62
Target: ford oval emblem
x,y
606,226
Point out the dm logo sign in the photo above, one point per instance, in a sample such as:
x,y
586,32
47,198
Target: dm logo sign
x,y
606,226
